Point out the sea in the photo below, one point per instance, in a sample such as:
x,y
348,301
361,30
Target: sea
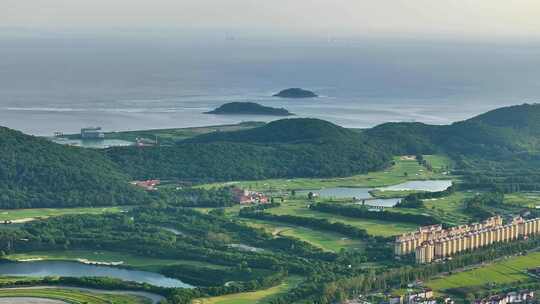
x,y
51,82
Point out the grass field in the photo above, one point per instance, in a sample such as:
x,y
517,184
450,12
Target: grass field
x,y
328,241
256,297
449,208
439,163
107,257
23,215
505,271
72,296
525,199
392,176
373,227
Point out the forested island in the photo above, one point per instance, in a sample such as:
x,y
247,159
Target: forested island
x,y
248,108
296,93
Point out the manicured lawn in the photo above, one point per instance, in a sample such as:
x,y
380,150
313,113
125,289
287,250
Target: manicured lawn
x,y
73,296
449,208
524,199
505,271
438,162
107,257
29,214
373,227
257,297
328,241
392,176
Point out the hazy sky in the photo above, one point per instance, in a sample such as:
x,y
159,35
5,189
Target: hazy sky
x,y
488,18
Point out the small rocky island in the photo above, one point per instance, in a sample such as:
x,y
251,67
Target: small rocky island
x,y
295,93
249,108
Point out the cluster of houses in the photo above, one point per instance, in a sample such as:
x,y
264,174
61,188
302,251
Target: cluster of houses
x,y
148,185
524,296
424,296
245,197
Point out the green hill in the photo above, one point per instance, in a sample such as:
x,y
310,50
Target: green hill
x,y
499,149
285,148
284,131
37,173
248,108
496,133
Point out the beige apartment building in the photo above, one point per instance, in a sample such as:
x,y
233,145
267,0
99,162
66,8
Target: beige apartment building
x,y
431,243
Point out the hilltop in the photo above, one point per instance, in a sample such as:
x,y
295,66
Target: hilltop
x,y
284,148
296,93
284,131
498,150
248,108
36,173
495,133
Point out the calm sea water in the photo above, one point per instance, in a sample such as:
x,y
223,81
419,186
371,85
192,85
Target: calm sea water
x,y
65,82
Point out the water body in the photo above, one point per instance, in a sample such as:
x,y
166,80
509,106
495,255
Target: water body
x,y
363,193
63,82
429,185
93,144
73,269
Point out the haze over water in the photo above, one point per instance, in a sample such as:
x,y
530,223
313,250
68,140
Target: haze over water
x,y
65,82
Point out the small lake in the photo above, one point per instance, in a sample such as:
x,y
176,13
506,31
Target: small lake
x,y
74,269
428,185
363,193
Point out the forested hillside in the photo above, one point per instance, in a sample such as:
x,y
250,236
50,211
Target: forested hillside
x,y
37,173
285,148
498,149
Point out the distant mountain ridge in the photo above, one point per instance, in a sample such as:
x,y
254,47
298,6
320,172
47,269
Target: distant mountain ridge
x,y
248,108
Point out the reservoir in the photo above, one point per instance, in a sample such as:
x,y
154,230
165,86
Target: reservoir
x,y
363,193
427,185
74,269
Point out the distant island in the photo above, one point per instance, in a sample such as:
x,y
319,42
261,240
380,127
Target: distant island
x,y
251,108
295,93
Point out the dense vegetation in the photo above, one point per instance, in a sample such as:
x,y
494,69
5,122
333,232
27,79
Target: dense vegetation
x,y
295,93
250,108
36,173
497,150
286,148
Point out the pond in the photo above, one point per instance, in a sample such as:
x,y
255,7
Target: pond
x,y
363,193
427,185
74,269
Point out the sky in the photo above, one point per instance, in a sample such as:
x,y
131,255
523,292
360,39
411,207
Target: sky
x,y
461,18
